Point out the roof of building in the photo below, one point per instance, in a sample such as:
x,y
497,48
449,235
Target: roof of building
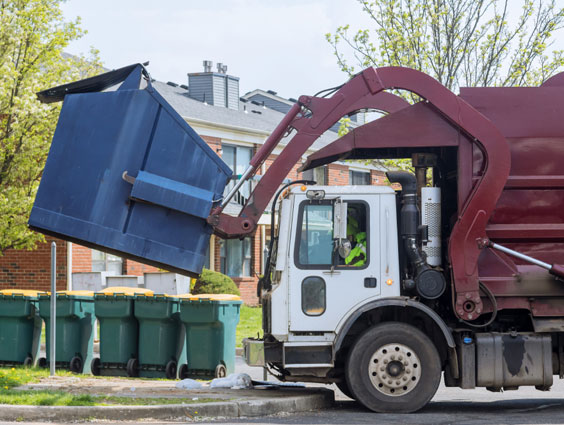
x,y
249,117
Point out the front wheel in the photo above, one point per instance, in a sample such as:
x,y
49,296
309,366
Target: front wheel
x,y
393,367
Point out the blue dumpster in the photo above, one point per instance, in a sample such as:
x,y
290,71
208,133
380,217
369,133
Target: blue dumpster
x,y
127,175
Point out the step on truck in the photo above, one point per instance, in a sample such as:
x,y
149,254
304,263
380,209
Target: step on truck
x,y
453,271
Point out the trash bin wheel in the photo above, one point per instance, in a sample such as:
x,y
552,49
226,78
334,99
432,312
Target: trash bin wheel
x,y
132,368
42,362
170,370
183,371
220,371
75,365
95,366
28,362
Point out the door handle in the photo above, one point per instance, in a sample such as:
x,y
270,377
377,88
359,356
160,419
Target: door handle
x,y
370,282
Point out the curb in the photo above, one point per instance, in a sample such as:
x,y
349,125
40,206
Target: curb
x,y
319,399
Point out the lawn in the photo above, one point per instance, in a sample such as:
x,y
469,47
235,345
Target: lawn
x,y
15,376
250,323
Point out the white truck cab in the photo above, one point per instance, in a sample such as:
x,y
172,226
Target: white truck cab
x,y
318,282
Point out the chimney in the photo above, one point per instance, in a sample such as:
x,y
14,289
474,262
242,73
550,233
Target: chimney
x,y
214,88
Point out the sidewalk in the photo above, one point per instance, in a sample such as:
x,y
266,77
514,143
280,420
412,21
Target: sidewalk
x,y
205,402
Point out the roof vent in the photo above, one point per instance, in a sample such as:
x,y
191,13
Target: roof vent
x,y
221,68
170,83
208,66
272,92
184,86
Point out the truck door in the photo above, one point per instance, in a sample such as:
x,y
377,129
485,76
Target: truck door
x,y
324,285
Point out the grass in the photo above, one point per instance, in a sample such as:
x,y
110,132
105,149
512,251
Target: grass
x,y
16,376
250,323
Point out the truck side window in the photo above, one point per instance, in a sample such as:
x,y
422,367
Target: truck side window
x,y
316,235
357,235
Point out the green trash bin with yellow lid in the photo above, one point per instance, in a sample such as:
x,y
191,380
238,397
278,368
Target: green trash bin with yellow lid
x,y
210,321
75,321
119,331
20,327
161,336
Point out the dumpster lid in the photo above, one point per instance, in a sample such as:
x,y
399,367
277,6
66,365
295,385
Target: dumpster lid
x,y
89,85
20,292
215,297
82,293
125,291
151,294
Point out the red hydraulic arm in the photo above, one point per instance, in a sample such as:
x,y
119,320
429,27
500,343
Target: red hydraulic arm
x,y
366,90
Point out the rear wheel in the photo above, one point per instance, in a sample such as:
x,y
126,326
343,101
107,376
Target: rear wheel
x,y
170,370
220,371
183,371
393,367
75,365
95,366
132,368
28,362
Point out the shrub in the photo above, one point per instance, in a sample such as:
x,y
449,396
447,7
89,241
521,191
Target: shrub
x,y
214,283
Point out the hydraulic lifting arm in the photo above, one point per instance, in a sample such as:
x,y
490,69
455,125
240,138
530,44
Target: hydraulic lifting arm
x,y
315,115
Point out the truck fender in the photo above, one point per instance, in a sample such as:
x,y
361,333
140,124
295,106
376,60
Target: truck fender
x,y
396,302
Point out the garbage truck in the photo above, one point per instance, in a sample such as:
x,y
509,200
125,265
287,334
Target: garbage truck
x,y
452,272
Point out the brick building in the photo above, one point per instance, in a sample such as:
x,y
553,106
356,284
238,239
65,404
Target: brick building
x,y
234,127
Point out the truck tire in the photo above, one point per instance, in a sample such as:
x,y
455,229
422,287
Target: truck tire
x,y
393,368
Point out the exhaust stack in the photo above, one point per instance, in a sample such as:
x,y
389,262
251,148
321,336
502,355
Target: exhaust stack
x,y
429,283
431,217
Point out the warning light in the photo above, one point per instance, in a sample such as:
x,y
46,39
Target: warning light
x,y
304,188
389,282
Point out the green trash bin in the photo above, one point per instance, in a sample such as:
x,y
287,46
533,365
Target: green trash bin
x,y
119,331
161,336
20,327
210,321
75,329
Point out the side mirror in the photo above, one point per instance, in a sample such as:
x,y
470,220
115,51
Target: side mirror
x,y
340,228
340,219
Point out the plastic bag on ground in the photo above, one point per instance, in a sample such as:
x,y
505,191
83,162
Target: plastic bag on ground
x,y
188,384
233,381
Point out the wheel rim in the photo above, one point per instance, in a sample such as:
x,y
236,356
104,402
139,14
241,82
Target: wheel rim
x,y
394,370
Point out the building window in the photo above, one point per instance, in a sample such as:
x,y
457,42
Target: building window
x,y
235,256
359,177
238,158
103,262
318,174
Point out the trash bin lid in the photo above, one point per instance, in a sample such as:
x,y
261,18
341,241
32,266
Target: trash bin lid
x,y
125,291
20,292
215,297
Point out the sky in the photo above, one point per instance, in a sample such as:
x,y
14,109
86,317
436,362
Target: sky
x,y
269,44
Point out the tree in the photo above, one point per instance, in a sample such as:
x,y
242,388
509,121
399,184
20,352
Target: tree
x,y
458,42
33,35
